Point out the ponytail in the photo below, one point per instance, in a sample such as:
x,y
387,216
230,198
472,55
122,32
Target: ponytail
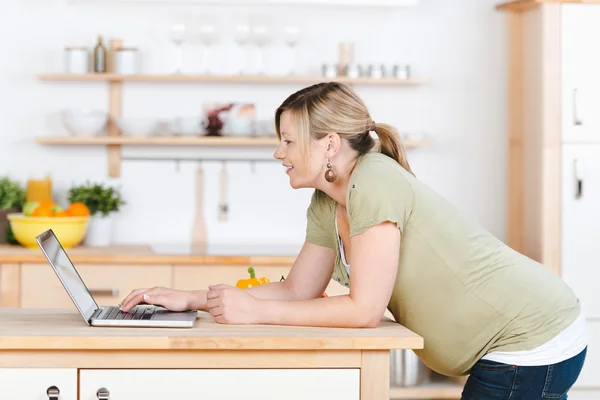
x,y
391,145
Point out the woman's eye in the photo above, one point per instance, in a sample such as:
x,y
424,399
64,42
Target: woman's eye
x,y
287,142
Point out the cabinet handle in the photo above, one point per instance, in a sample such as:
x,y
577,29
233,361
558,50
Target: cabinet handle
x,y
576,119
578,180
104,292
53,393
103,394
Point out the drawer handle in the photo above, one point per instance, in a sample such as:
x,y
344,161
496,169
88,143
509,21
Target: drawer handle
x,y
53,393
104,292
103,394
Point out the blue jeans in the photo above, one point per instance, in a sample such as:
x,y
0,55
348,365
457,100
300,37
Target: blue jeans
x,y
491,380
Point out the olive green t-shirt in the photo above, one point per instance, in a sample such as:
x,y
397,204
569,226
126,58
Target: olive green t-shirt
x,y
459,287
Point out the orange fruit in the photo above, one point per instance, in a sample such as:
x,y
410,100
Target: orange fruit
x,y
47,203
78,209
42,212
61,214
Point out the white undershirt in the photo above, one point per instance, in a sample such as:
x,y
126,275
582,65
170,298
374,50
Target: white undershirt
x,y
568,343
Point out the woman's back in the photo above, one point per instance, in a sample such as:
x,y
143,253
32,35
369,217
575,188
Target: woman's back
x,y
458,286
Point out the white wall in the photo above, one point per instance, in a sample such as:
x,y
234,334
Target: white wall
x,y
457,46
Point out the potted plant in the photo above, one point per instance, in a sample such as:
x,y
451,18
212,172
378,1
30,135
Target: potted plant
x,y
103,202
12,198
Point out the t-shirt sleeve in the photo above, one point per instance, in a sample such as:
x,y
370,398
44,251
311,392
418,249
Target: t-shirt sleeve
x,y
320,228
378,194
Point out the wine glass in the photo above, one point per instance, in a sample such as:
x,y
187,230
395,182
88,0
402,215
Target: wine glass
x,y
207,36
178,35
291,35
242,38
260,37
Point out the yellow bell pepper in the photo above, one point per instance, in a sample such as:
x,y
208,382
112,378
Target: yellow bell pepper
x,y
253,281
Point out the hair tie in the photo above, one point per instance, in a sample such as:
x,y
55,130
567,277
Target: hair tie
x,y
373,127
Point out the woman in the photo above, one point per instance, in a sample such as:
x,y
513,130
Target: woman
x,y
481,307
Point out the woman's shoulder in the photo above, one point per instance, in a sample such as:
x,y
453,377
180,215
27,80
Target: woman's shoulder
x,y
375,170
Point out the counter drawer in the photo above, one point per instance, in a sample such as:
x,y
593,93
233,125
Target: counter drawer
x,y
109,284
33,383
227,384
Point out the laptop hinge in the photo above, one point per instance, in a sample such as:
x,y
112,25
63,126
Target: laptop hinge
x,y
95,314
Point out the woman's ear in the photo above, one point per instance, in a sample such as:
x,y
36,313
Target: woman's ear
x,y
334,143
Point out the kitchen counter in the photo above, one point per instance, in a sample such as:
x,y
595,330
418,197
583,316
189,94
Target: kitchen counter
x,y
218,254
60,340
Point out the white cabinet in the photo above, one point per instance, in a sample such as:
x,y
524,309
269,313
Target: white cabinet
x,y
581,224
580,77
33,384
226,384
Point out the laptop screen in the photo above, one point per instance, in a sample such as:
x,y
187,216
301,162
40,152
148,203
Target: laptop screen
x,y
67,274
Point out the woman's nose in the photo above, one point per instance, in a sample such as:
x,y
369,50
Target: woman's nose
x,y
279,154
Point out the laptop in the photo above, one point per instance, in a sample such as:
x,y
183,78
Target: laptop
x,y
145,315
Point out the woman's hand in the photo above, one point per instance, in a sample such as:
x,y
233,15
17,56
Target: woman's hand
x,y
230,305
171,299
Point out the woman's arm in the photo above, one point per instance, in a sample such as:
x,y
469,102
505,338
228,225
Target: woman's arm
x,y
308,278
374,265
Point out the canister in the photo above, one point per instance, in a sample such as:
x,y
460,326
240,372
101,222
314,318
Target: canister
x,y
376,71
126,61
329,70
77,60
401,71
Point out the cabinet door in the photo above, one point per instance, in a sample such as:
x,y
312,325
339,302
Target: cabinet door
x,y
580,78
33,384
109,284
581,224
229,384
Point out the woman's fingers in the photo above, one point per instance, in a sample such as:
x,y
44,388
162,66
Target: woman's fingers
x,y
136,297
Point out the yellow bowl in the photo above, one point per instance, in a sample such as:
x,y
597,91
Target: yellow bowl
x,y
69,230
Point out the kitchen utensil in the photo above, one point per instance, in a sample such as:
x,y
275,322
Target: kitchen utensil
x,y
84,122
77,60
199,229
223,206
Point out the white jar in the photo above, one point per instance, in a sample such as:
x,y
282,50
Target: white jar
x,y
126,61
77,60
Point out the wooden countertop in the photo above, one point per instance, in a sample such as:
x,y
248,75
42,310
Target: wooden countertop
x,y
147,255
33,329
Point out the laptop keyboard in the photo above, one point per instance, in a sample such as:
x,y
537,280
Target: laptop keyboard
x,y
135,313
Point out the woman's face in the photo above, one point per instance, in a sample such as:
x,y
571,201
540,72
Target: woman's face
x,y
301,176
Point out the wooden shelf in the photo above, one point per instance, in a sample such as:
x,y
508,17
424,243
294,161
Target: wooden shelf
x,y
179,141
523,5
159,141
432,391
263,79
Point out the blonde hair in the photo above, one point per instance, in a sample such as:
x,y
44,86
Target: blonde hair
x,y
329,107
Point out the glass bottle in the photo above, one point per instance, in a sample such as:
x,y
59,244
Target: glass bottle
x,y
100,56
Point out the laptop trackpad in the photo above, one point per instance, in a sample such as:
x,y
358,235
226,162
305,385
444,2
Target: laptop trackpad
x,y
162,314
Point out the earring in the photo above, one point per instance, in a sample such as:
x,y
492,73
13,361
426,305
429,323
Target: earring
x,y
330,175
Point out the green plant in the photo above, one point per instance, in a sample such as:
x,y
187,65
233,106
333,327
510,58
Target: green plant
x,y
98,198
12,194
